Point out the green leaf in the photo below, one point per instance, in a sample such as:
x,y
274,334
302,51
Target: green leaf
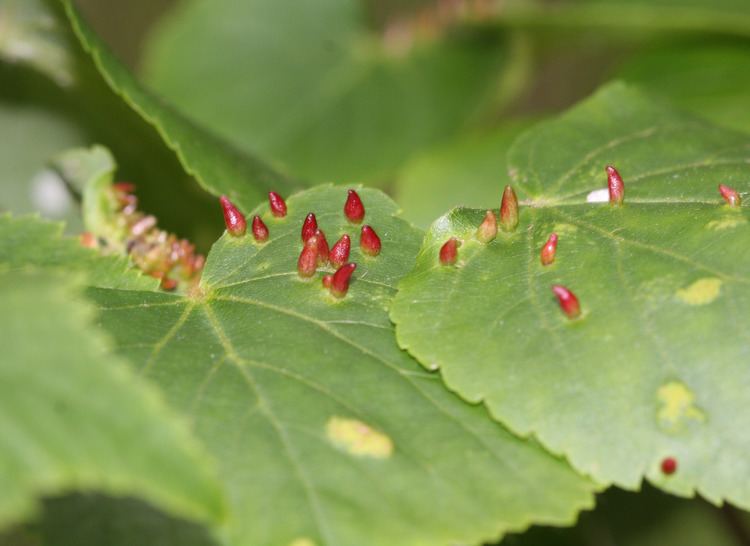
x,y
468,171
655,367
706,78
40,118
325,431
27,241
622,17
75,419
216,165
310,85
31,133
30,34
32,128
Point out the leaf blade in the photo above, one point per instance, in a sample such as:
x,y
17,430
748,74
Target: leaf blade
x,y
653,277
62,415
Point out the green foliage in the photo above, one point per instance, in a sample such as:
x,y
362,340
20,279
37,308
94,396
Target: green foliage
x,y
469,172
730,17
41,117
706,78
282,382
310,85
31,35
255,408
59,392
655,367
216,165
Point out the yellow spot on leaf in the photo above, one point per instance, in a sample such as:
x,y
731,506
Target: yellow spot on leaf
x,y
677,406
701,292
726,223
302,542
358,438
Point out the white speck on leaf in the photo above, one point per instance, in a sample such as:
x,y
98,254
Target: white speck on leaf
x,y
598,196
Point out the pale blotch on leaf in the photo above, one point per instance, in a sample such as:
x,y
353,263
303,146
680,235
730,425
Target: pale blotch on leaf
x,y
726,223
358,438
302,542
677,406
701,292
564,229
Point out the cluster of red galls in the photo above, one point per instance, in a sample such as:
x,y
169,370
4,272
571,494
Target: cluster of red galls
x,y
487,232
315,250
155,252
567,300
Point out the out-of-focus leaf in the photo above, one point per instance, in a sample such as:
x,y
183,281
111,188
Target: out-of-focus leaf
x,y
216,165
308,84
40,117
615,17
469,172
33,129
73,418
646,518
96,520
706,78
30,34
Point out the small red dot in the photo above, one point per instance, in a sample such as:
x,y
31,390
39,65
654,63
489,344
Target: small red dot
x,y
669,465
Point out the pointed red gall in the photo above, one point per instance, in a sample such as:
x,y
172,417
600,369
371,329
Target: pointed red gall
x,y
124,187
322,246
353,208
87,239
509,210
327,280
369,241
168,284
568,301
549,249
488,228
308,258
260,231
730,195
449,251
233,218
309,226
669,465
340,252
278,206
340,280
616,186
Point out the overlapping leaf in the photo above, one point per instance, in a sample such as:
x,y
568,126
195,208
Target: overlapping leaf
x,y
704,77
657,365
309,84
217,166
325,431
73,418
30,34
